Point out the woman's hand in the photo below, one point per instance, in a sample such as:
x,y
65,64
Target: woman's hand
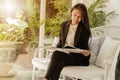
x,y
85,52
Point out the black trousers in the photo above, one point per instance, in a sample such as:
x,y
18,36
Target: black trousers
x,y
60,60
117,70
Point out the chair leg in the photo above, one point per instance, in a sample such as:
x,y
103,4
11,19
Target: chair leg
x,y
64,77
33,73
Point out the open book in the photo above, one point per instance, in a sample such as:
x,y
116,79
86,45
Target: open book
x,y
67,50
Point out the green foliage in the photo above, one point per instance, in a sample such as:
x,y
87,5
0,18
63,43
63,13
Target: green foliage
x,y
28,11
11,33
97,15
33,18
53,23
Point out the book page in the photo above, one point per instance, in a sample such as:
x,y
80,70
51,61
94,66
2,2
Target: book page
x,y
65,50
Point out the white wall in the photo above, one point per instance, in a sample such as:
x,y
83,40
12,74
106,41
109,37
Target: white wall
x,y
112,5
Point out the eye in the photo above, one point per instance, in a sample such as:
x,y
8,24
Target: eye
x,y
75,15
79,16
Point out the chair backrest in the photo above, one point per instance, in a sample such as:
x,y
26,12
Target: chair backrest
x,y
112,31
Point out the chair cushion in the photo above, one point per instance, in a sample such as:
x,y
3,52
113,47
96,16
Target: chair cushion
x,y
84,72
94,48
107,51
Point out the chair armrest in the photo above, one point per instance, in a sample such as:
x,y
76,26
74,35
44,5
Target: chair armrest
x,y
108,61
39,51
110,67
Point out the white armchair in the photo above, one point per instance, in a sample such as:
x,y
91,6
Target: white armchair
x,y
103,49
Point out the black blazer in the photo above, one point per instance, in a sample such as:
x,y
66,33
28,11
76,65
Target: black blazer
x,y
81,36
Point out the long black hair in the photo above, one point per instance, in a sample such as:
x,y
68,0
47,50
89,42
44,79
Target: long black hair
x,y
85,19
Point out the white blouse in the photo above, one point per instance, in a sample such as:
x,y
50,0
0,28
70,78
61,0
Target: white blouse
x,y
71,35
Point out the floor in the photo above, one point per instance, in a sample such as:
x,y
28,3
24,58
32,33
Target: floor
x,y
8,78
8,71
18,71
21,75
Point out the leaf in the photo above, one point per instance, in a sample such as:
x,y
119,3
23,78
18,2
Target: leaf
x,y
97,15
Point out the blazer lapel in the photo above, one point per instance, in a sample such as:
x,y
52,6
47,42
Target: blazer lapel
x,y
67,26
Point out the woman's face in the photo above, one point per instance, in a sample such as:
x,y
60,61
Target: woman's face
x,y
76,16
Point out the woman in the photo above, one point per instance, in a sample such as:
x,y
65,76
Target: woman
x,y
73,33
